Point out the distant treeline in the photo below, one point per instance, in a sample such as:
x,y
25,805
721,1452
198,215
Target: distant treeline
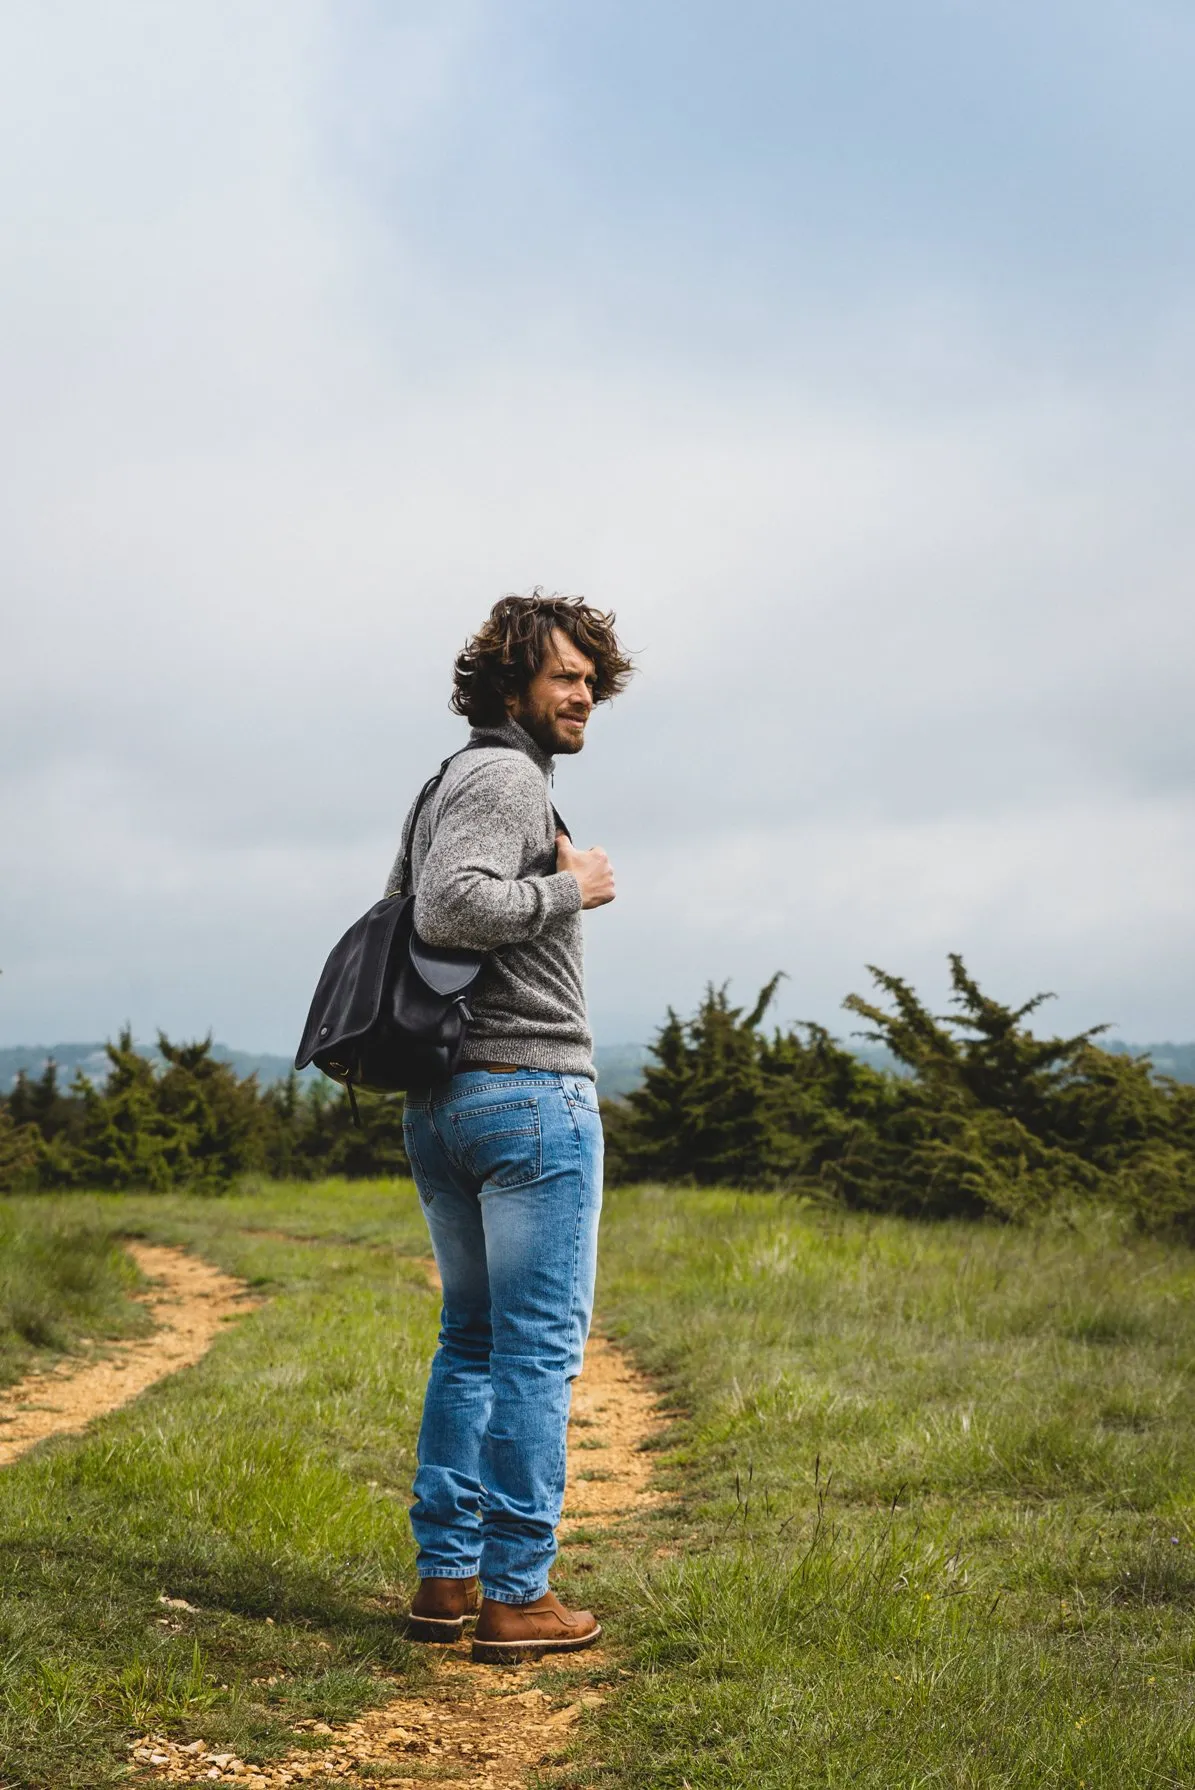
x,y
187,1121
986,1118
983,1116
619,1066
91,1059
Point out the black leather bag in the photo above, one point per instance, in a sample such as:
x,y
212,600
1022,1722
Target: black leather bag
x,y
390,1011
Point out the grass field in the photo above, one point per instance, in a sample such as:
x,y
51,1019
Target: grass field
x,y
931,1518
266,1486
937,1488
62,1280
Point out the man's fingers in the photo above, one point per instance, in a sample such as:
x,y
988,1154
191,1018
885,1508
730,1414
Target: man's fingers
x,y
563,842
591,869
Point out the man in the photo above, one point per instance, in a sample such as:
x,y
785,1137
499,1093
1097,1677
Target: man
x,y
507,1154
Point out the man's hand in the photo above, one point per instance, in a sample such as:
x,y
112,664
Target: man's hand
x,y
591,869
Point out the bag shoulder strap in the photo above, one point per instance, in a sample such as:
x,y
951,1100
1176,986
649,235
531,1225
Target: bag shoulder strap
x,y
404,876
404,880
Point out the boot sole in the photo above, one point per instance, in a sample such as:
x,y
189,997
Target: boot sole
x,y
494,1653
436,1629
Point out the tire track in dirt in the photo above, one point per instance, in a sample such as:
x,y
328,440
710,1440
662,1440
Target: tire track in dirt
x,y
190,1300
474,1728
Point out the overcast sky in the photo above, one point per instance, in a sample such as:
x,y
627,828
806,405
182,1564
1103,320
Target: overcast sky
x,y
847,352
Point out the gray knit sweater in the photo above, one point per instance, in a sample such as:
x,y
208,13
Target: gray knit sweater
x,y
485,879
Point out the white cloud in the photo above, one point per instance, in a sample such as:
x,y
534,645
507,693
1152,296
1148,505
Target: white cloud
x,y
909,604
1090,900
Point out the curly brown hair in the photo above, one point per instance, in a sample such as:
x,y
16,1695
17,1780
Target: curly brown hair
x,y
512,644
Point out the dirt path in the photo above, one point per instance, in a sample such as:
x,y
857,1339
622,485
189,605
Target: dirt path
x,y
477,1727
191,1301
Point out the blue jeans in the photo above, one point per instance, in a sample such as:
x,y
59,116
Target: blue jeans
x,y
509,1172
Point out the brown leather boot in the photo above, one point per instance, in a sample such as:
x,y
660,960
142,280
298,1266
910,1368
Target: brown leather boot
x,y
507,1632
440,1609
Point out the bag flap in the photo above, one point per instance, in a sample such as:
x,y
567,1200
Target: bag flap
x,y
446,972
348,998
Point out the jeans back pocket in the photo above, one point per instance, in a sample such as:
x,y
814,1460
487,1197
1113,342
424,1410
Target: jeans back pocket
x,y
501,1144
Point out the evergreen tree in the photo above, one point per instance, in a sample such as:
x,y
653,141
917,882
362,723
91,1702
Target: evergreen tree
x,y
42,1103
1002,1066
699,1114
278,1121
652,1143
217,1114
821,1104
189,1123
992,1118
18,1154
126,1139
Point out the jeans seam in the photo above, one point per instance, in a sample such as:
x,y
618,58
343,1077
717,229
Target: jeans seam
x,y
418,1172
432,1120
562,1468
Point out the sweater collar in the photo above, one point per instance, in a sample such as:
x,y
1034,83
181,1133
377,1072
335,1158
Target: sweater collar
x,y
511,734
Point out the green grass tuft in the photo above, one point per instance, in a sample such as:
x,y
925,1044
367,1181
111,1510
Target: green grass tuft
x,y
63,1278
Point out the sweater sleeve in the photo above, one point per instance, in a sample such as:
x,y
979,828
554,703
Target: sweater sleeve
x,y
470,894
